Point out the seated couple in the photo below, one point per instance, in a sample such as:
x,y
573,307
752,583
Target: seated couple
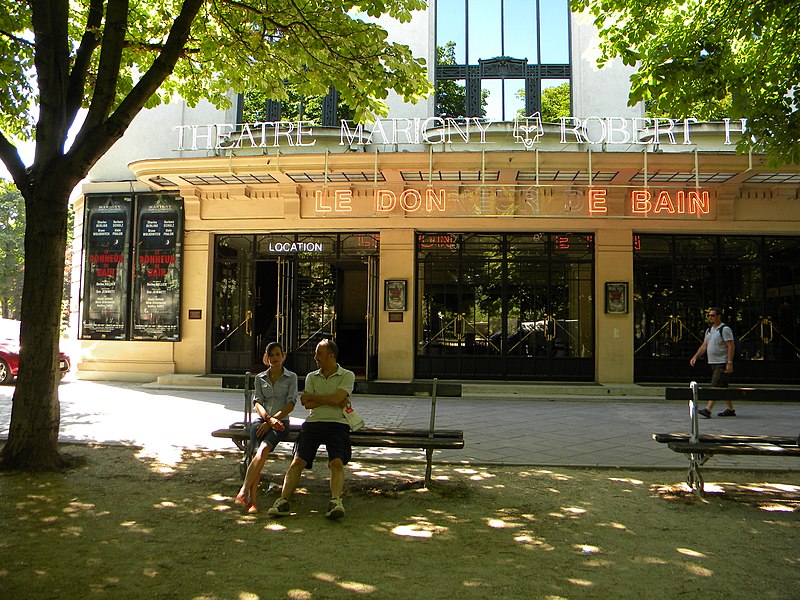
x,y
327,392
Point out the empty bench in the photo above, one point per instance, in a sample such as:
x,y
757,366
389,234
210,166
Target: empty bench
x,y
700,448
367,437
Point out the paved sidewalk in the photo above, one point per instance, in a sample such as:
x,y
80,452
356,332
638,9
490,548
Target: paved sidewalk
x,y
563,430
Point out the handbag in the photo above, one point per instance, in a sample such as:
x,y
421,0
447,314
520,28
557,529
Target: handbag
x,y
353,418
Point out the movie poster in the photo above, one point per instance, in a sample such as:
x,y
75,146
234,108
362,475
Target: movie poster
x,y
107,268
157,271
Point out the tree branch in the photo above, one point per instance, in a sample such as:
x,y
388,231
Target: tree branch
x,y
14,164
96,138
105,90
51,59
83,58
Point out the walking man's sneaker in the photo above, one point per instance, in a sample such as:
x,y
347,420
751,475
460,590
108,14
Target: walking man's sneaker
x,y
280,508
727,413
335,509
705,413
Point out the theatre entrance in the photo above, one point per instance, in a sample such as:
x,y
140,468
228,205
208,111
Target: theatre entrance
x,y
296,289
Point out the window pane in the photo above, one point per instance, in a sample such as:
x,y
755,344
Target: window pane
x,y
451,27
451,98
520,29
514,104
492,91
555,31
555,99
484,30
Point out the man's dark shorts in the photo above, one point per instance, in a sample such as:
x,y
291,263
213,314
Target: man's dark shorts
x,y
719,378
272,438
335,436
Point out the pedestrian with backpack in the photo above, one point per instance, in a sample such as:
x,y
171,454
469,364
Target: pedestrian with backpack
x,y
719,346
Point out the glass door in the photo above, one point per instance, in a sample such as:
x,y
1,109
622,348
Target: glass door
x,y
315,311
505,305
232,340
371,318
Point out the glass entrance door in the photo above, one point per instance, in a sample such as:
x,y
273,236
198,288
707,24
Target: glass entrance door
x,y
371,318
296,289
504,305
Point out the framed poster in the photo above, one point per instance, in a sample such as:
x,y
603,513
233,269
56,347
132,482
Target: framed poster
x,y
394,294
107,243
617,297
157,271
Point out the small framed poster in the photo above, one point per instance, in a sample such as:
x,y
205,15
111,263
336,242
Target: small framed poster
x,y
617,297
394,294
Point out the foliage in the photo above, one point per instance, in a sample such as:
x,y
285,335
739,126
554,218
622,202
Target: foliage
x,y
12,253
296,107
255,45
556,103
692,54
451,95
116,57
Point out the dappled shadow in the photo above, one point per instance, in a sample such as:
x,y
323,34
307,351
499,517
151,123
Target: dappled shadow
x,y
127,525
770,497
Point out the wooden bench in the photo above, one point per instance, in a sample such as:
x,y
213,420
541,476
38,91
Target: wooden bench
x,y
749,394
367,437
699,448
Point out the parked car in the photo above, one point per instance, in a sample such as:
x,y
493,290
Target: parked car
x,y
9,352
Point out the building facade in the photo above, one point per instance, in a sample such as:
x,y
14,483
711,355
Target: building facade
x,y
478,235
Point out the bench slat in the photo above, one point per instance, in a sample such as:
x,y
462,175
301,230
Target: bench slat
x,y
372,437
781,440
743,448
759,394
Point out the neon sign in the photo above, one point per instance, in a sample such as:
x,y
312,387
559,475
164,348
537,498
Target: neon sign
x,y
646,202
593,202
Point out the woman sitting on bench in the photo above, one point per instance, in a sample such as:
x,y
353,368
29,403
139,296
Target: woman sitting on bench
x,y
275,397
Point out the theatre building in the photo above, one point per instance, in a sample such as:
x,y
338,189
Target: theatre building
x,y
509,246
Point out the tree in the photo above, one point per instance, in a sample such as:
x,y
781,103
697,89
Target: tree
x,y
691,54
556,103
116,57
295,107
451,95
12,235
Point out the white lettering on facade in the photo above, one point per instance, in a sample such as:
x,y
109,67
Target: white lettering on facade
x,y
295,246
439,130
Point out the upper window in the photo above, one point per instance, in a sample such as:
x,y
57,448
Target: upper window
x,y
324,110
500,59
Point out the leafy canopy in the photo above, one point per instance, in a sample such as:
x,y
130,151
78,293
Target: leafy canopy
x,y
233,45
691,55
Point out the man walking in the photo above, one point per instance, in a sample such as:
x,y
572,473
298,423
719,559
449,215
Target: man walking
x,y
326,393
718,344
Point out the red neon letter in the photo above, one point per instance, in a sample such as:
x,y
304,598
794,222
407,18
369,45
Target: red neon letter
x,y
385,200
597,201
640,202
433,200
320,202
342,199
663,202
699,203
411,200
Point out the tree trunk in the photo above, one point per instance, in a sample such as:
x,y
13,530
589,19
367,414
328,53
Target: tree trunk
x,y
35,414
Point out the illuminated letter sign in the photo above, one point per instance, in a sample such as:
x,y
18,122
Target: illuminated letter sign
x,y
597,202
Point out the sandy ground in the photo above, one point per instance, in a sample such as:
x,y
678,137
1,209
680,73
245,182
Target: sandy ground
x,y
125,525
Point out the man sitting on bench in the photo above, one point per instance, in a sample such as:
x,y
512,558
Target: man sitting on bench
x,y
326,393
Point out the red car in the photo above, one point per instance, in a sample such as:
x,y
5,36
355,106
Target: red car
x,y
9,352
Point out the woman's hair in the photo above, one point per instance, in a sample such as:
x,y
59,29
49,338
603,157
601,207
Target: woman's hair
x,y
272,345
